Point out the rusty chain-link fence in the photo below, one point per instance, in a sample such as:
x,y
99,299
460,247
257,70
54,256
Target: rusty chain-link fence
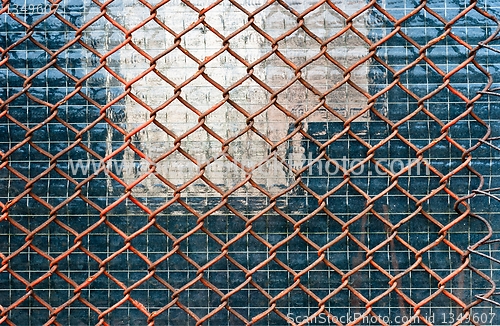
x,y
249,162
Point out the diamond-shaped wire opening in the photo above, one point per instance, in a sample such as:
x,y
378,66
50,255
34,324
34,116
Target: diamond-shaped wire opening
x,y
35,59
347,48
133,262
196,297
154,138
127,14
153,188
78,215
337,101
200,34
62,291
397,57
422,79
475,80
248,148
321,229
380,25
270,174
177,168
250,44
314,280
369,282
128,163
128,57
152,38
93,242
341,260
224,224
152,242
94,90
400,257
276,219
177,16
201,145
24,207
142,89
394,206
297,300
271,278
297,97
39,310
101,35
202,249
275,20
176,271
322,74
356,102
226,18
225,174
324,22
442,259
361,22
250,96
275,123
102,292
359,75
154,294
248,259
417,27
201,94
50,40
201,188
176,220
226,70
299,47
274,72
78,266
419,232
226,121
176,66
179,118
468,29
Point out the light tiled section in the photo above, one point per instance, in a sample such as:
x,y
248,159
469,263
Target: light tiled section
x,y
249,149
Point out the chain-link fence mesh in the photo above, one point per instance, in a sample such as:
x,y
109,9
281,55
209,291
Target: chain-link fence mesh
x,y
249,162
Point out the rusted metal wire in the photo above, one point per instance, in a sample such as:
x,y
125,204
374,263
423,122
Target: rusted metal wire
x,y
366,299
